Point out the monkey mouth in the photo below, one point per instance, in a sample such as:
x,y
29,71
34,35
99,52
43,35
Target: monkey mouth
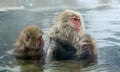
x,y
77,27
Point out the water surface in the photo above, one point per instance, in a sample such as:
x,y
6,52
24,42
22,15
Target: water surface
x,y
101,20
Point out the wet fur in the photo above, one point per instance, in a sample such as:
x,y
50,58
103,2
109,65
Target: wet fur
x,y
27,45
63,29
86,50
67,44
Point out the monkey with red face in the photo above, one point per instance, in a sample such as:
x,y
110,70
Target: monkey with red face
x,y
67,39
30,44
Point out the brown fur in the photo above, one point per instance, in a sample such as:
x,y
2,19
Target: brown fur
x,y
30,31
28,43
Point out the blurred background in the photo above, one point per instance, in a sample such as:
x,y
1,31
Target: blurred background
x,y
101,18
53,4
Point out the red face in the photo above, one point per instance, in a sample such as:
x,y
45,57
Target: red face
x,y
41,41
76,23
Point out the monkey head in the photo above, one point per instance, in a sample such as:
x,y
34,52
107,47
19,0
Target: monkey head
x,y
31,37
72,19
69,23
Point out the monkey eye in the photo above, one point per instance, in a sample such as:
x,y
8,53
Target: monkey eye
x,y
75,19
27,37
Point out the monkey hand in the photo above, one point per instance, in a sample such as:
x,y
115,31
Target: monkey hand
x,y
85,52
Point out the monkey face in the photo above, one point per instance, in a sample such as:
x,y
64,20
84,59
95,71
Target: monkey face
x,y
33,41
76,23
72,19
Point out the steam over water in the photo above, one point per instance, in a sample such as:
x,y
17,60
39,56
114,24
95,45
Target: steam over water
x,y
101,18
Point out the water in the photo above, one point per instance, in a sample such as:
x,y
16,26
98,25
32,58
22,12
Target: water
x,y
101,19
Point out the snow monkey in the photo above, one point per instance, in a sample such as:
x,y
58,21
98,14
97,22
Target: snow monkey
x,y
29,45
68,41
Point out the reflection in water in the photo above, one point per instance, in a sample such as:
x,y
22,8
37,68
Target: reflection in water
x,y
30,66
101,22
63,66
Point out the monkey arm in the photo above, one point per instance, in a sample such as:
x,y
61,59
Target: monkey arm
x,y
87,52
68,47
55,51
87,56
61,50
